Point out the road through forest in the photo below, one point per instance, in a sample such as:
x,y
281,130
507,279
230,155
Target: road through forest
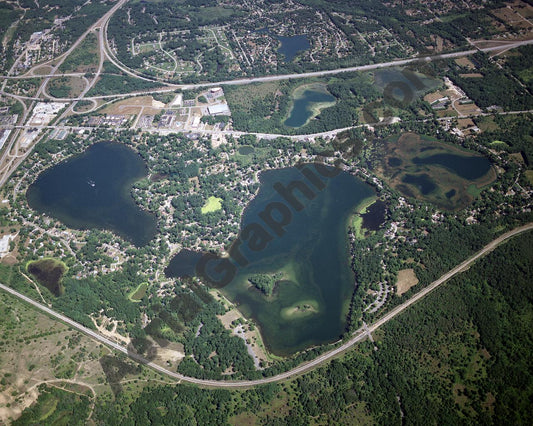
x,y
359,335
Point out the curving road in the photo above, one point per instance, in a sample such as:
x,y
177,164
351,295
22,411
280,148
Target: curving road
x,y
359,335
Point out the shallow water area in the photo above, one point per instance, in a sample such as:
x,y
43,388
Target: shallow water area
x,y
311,298
302,108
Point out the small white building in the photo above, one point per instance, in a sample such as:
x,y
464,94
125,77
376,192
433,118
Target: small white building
x,y
4,244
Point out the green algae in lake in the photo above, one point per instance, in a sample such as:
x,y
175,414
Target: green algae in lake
x,y
308,257
436,172
92,190
309,303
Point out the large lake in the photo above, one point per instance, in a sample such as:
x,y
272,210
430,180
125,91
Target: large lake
x,y
92,190
309,305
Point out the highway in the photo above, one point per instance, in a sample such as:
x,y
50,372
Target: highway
x,y
250,80
359,335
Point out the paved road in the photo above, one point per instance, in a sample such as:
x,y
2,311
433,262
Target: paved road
x,y
359,335
9,163
164,131
369,67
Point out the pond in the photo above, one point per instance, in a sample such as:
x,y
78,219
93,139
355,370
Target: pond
x,y
291,46
246,150
48,272
308,256
423,182
305,106
374,216
92,190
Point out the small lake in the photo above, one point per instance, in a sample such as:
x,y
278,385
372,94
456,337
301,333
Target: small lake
x,y
246,150
468,167
302,108
374,216
92,190
291,46
183,264
310,302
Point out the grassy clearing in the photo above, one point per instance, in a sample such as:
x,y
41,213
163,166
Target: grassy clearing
x,y
66,87
529,176
213,204
35,348
248,95
84,58
406,280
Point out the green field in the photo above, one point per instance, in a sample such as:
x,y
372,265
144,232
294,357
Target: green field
x,y
499,144
84,58
66,87
213,204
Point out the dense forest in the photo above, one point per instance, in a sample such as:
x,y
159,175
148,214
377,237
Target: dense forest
x,y
497,87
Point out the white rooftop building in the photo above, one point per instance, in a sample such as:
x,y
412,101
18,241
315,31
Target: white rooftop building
x,y
218,109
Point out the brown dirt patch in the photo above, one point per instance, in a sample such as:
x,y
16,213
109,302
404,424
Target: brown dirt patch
x,y
467,109
42,70
448,112
432,97
517,157
465,62
507,15
228,318
464,123
472,75
133,106
406,279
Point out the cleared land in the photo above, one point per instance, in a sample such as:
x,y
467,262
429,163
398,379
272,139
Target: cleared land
x,y
406,280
